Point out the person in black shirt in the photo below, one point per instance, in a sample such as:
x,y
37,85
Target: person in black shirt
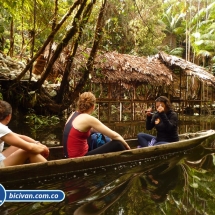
x,y
165,121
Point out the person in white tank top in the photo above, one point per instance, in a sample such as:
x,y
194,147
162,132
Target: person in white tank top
x,y
22,148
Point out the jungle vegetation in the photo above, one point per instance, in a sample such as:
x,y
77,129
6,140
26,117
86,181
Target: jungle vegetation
x,y
136,27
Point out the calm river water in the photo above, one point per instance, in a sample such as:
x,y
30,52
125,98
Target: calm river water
x,y
178,183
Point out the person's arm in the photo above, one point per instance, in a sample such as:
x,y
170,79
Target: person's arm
x,y
100,127
150,122
92,130
26,138
14,139
171,122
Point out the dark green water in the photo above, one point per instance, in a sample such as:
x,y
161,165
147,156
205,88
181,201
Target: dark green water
x,y
177,183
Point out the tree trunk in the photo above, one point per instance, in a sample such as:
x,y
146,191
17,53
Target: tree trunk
x,y
50,37
64,83
62,45
33,37
11,38
33,31
23,39
97,38
53,27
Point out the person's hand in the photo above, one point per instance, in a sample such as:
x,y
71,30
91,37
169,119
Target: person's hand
x,y
45,153
148,112
126,146
160,108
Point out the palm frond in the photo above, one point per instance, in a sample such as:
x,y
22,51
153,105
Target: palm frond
x,y
204,53
177,51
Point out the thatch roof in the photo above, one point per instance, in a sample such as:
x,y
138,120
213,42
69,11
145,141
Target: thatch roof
x,y
188,67
112,67
116,68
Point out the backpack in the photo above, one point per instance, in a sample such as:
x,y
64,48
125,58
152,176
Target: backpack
x,y
96,140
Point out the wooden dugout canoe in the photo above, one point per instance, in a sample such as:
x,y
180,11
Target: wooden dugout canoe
x,y
56,166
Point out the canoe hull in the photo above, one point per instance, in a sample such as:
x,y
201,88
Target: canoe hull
x,y
52,168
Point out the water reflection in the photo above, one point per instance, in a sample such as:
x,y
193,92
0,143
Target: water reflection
x,y
176,183
52,135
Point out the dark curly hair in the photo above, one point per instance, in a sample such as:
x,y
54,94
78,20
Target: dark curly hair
x,y
86,101
5,109
166,101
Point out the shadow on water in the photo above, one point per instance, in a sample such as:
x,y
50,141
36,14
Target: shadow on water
x,y
177,183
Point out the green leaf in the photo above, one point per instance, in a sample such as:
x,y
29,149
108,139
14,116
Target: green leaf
x,y
199,42
194,185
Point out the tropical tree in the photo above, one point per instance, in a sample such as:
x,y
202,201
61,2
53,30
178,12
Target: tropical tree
x,y
172,20
130,27
25,24
78,13
203,36
190,25
124,29
29,27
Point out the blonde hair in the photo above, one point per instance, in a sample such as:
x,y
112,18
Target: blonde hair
x,y
86,101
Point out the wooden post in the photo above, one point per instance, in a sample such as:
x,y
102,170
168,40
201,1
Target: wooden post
x,y
120,111
180,93
203,96
109,91
132,109
109,111
99,111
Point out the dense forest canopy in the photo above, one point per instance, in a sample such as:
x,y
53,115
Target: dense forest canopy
x,y
130,26
136,27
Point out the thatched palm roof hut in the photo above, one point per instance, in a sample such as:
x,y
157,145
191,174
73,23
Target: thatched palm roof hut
x,y
115,68
189,68
128,71
116,77
159,74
